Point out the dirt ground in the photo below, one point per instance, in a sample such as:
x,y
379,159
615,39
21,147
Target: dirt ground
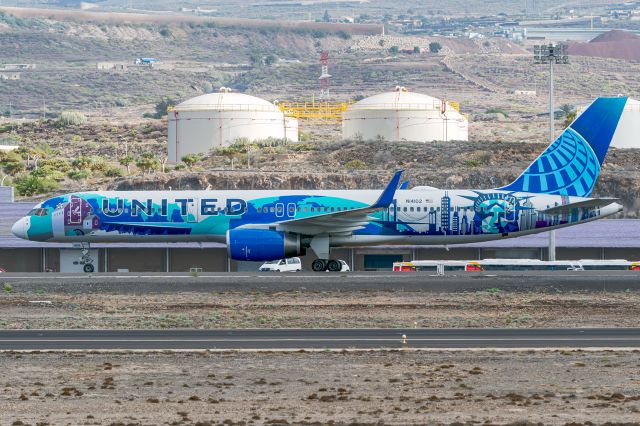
x,y
320,388
401,309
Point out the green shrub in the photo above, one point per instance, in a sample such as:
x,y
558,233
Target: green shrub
x,y
355,164
343,35
190,160
28,185
59,164
113,172
82,163
497,111
78,174
71,118
434,47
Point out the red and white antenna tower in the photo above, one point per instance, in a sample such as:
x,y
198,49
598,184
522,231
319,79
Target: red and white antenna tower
x,y
324,76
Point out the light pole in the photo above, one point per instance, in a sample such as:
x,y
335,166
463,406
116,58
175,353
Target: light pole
x,y
551,54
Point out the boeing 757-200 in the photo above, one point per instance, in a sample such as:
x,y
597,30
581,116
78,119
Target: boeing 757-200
x,y
553,192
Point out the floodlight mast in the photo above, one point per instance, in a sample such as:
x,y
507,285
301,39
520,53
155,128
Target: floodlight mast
x,y
551,54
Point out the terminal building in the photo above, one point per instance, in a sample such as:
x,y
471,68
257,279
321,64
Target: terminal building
x,y
600,240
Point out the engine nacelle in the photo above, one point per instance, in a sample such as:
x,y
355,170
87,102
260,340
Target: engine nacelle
x,y
262,244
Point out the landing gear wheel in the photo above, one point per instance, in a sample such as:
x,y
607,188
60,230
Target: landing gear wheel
x,y
334,265
88,268
319,265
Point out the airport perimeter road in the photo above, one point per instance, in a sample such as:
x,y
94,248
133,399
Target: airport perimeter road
x,y
270,339
145,283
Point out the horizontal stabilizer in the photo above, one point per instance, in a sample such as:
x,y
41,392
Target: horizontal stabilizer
x,y
593,202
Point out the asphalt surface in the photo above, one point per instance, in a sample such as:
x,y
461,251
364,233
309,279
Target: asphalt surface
x,y
295,339
146,283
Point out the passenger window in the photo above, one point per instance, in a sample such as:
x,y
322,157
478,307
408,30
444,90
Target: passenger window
x,y
306,209
410,209
272,209
282,262
404,209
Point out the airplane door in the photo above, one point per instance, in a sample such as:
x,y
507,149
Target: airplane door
x,y
192,211
75,210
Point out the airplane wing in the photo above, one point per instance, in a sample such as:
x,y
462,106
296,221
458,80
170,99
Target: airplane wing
x,y
592,202
343,221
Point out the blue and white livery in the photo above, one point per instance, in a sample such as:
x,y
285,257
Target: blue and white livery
x,y
552,192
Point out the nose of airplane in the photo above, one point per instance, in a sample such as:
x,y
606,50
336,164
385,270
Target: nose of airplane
x,y
19,229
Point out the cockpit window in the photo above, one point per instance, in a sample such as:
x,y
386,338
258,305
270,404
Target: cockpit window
x,y
39,212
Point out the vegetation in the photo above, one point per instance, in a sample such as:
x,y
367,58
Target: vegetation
x,y
29,185
190,160
497,111
355,164
162,107
148,162
569,112
434,47
126,161
394,50
71,118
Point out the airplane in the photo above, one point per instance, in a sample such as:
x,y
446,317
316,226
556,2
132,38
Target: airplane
x,y
553,192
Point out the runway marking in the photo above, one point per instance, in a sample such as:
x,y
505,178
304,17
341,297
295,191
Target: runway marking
x,y
142,339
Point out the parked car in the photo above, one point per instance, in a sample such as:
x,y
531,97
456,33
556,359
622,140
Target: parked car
x,y
291,264
345,267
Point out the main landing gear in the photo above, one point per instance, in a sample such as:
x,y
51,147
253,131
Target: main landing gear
x,y
86,260
331,265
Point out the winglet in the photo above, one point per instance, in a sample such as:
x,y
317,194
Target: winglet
x,y
389,192
405,184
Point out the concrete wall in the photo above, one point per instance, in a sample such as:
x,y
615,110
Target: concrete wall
x,y
21,260
215,260
136,260
438,253
210,260
620,253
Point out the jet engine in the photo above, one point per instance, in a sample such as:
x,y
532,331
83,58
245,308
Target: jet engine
x,y
262,244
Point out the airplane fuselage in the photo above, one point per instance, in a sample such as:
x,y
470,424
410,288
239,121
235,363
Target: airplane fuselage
x,y
421,216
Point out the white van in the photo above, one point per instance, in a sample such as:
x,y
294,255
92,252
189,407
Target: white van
x,y
291,264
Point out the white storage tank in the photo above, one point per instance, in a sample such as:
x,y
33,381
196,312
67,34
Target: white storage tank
x,y
404,116
216,120
626,135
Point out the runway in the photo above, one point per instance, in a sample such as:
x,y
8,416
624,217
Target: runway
x,y
146,283
318,339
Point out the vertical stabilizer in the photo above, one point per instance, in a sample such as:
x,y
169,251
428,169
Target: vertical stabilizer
x,y
571,164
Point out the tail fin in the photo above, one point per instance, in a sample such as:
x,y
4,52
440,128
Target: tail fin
x,y
571,164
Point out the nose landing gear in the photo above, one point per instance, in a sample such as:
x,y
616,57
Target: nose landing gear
x,y
86,260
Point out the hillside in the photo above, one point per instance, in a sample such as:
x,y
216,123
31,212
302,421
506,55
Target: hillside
x,y
95,154
616,44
